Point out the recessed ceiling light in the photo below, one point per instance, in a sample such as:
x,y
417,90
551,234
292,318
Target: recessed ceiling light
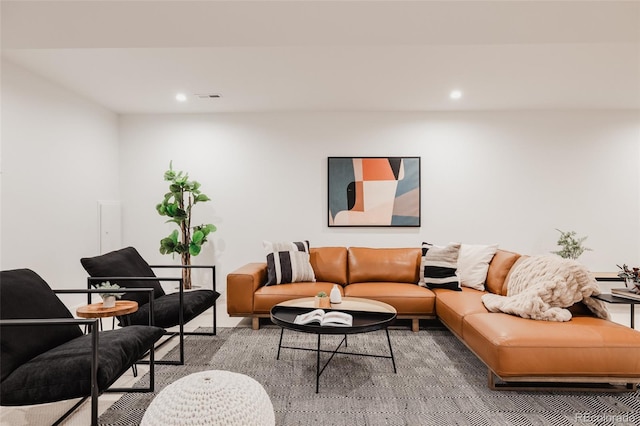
x,y
455,94
181,97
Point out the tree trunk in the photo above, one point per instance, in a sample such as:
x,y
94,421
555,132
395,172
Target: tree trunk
x,y
186,272
185,227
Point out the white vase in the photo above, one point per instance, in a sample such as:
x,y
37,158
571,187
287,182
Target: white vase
x,y
109,302
335,295
629,283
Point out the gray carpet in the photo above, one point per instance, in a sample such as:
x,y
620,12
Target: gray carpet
x,y
439,382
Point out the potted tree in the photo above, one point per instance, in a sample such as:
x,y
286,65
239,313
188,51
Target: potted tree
x,y
177,204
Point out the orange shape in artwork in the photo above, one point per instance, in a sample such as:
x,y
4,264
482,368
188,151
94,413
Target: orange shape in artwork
x,y
377,169
359,201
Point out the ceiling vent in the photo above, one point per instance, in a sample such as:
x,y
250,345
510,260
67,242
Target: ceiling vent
x,y
208,95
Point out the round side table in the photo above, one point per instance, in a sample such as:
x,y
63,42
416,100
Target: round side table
x,y
96,310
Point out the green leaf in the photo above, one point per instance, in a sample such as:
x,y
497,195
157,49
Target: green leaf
x,y
172,210
174,236
194,249
201,198
167,245
169,175
198,237
180,214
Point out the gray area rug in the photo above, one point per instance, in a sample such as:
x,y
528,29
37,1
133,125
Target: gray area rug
x,y
439,382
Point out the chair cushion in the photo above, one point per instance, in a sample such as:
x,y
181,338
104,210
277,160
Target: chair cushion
x,y
24,294
64,371
166,308
125,262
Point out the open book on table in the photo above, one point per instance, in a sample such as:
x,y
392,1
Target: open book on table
x,y
333,318
626,293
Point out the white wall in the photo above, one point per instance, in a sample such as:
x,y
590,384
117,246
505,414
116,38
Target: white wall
x,y
59,157
505,177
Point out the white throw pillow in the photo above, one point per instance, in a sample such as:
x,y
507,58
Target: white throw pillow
x,y
473,264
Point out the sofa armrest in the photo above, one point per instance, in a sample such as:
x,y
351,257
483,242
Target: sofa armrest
x,y
241,285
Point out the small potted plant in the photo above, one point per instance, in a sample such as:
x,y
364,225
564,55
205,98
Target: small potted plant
x,y
109,297
322,300
631,277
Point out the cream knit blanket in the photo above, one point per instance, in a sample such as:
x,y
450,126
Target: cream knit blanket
x,y
541,287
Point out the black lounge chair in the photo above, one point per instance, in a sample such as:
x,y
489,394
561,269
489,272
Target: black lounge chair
x,y
127,268
45,356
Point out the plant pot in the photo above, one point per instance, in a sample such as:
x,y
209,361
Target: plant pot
x,y
109,302
321,302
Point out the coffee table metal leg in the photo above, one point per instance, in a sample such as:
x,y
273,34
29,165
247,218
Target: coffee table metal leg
x,y
318,365
633,315
280,342
393,360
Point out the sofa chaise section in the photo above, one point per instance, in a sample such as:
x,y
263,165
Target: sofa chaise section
x,y
583,350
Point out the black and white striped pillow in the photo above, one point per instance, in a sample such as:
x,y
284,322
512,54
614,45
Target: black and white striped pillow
x,y
439,265
288,262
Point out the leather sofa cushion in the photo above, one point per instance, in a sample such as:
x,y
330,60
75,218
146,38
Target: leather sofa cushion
x,y
329,264
505,284
267,297
400,265
452,307
498,269
406,298
515,347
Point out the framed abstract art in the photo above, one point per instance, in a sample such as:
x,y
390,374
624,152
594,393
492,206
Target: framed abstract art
x,y
374,191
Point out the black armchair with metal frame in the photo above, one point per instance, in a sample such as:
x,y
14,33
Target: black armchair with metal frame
x,y
47,358
169,310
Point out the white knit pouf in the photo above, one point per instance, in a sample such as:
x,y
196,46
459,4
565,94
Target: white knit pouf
x,y
213,397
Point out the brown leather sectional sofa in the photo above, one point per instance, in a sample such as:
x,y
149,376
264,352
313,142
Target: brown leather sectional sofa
x,y
520,353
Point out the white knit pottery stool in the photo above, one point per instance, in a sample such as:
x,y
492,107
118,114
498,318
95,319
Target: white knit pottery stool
x,y
213,397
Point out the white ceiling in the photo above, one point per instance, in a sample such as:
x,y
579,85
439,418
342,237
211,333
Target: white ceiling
x,y
134,56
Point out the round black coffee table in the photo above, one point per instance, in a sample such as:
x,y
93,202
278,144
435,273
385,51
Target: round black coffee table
x,y
368,315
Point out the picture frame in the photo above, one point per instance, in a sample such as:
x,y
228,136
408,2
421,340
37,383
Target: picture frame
x,y
374,191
